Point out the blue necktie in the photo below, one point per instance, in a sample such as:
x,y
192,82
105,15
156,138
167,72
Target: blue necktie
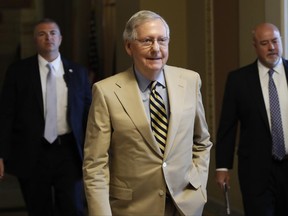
x,y
278,144
50,132
159,122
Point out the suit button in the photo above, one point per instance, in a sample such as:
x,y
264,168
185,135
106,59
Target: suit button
x,y
164,164
161,192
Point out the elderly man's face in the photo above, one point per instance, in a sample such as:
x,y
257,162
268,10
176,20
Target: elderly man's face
x,y
150,49
268,45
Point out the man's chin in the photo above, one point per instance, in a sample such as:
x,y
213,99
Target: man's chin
x,y
272,61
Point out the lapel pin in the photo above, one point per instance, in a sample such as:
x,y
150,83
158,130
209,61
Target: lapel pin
x,y
70,70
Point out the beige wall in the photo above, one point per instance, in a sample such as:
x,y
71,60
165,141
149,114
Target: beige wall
x,y
123,13
226,58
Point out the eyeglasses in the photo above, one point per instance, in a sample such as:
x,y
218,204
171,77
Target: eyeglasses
x,y
148,42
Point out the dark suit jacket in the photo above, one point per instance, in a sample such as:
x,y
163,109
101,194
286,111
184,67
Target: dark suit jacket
x,y
22,117
244,103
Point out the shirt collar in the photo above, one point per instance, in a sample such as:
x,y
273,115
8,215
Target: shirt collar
x,y
55,63
144,83
263,70
277,68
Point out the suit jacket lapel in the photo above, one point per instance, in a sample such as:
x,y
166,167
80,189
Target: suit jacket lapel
x,y
285,64
256,90
68,75
175,90
133,105
36,82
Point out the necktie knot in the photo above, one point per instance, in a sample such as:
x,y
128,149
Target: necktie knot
x,y
271,72
153,85
49,66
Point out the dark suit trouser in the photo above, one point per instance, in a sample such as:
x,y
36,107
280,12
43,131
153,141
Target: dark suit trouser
x,y
274,201
55,188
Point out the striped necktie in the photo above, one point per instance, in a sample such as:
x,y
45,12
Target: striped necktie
x,y
159,122
50,132
278,144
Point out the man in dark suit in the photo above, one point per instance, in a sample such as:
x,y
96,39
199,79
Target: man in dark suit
x,y
49,170
263,174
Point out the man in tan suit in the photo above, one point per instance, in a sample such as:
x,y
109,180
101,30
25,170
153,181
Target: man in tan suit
x,y
126,172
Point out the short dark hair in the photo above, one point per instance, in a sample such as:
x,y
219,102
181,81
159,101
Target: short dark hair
x,y
46,20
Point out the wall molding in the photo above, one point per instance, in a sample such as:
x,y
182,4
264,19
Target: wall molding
x,y
209,68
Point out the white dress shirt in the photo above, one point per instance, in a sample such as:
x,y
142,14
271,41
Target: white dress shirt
x,y
280,81
62,91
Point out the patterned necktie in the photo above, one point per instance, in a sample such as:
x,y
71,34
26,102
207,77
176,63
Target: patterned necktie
x,y
50,132
159,122
278,145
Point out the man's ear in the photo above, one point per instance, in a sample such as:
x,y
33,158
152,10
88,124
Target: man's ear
x,y
128,48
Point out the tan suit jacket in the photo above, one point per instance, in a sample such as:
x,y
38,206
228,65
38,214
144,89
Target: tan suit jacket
x,y
124,173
